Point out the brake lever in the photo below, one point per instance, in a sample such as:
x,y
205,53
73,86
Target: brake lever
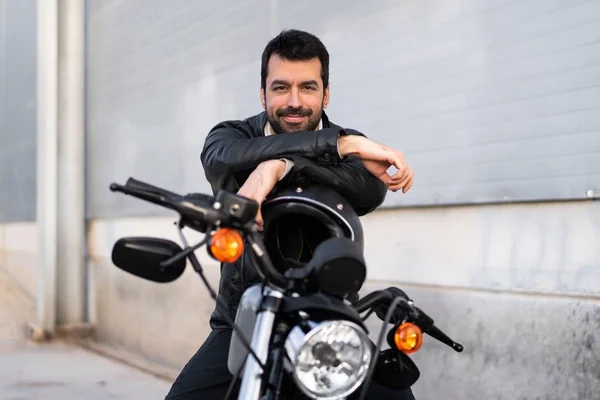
x,y
426,323
436,333
419,318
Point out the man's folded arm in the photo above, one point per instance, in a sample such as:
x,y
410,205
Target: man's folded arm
x,y
349,178
228,152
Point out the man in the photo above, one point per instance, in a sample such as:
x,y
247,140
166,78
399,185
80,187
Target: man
x,y
291,142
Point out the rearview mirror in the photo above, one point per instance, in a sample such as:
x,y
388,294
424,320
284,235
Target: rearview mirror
x,y
142,256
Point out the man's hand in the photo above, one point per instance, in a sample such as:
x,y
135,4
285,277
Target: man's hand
x,y
260,183
377,159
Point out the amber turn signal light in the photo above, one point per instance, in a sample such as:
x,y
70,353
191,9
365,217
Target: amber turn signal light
x,y
226,245
408,338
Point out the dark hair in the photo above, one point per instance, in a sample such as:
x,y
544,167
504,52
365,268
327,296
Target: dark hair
x,y
295,45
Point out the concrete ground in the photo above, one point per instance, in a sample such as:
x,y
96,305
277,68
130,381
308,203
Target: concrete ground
x,y
61,371
58,370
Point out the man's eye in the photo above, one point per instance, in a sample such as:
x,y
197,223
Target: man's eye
x,y
310,87
278,88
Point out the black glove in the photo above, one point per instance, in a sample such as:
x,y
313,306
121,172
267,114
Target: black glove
x,y
399,313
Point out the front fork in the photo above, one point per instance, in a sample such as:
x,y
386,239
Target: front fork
x,y
252,381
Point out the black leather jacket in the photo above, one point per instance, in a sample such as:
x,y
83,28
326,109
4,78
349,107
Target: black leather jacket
x,y
233,149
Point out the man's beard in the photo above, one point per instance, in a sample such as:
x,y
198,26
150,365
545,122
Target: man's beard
x,y
279,125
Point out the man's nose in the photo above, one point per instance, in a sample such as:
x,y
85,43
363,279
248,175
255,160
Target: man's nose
x,y
294,99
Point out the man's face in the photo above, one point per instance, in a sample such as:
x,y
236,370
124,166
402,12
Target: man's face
x,y
294,96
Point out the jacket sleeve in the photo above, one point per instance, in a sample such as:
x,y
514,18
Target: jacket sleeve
x,y
350,178
228,152
229,156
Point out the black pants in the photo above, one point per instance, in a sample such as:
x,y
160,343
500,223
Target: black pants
x,y
206,376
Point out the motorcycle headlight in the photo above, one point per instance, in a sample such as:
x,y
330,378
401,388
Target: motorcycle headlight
x,y
331,360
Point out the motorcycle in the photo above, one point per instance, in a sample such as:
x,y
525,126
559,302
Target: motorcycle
x,y
295,329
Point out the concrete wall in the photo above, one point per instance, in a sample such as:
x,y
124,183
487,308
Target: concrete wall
x,y
18,277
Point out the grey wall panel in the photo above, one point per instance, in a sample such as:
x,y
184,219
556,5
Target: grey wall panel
x,y
17,110
491,100
160,76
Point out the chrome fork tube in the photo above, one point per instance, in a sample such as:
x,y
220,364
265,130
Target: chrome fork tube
x,y
261,339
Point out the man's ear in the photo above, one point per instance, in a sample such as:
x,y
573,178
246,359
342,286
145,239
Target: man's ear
x,y
263,101
326,97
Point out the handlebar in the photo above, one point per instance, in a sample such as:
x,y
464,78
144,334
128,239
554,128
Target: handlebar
x,y
151,196
199,211
383,298
437,333
196,211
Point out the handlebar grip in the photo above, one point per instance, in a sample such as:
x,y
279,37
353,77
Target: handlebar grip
x,y
436,333
143,194
137,184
